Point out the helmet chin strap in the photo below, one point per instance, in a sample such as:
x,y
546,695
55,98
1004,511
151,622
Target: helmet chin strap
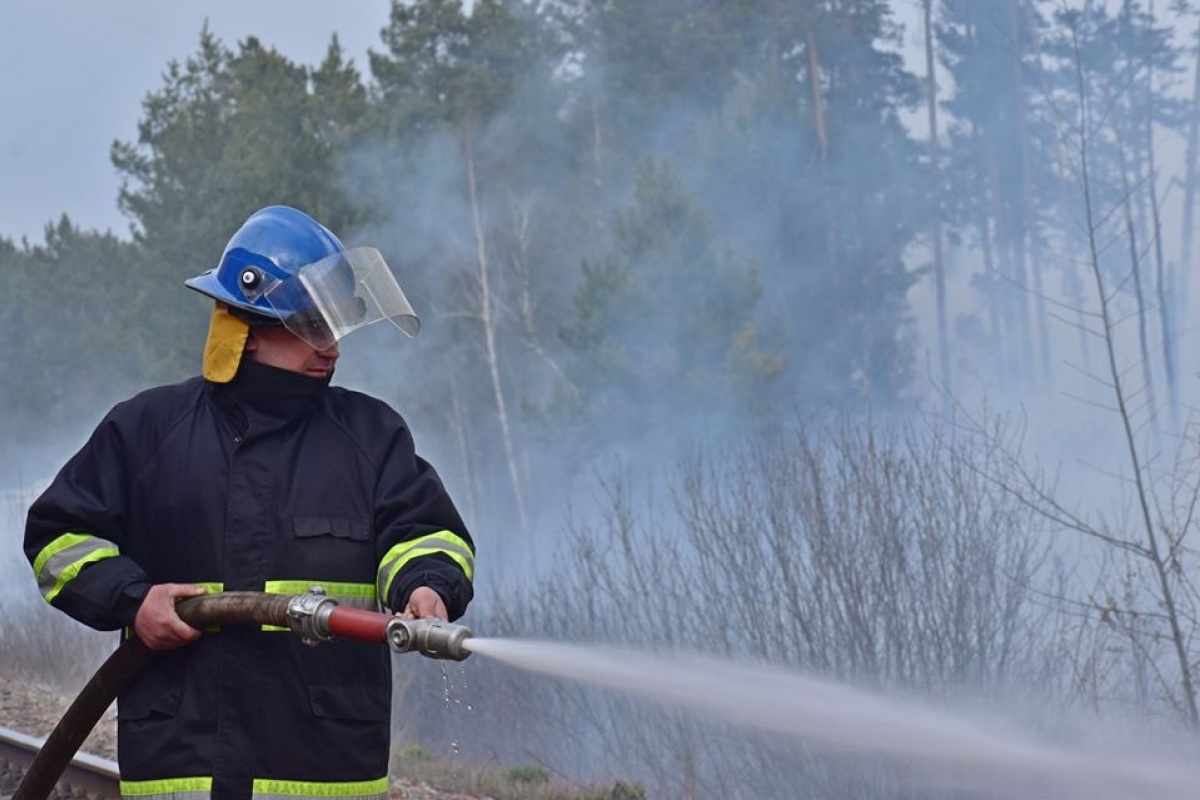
x,y
227,336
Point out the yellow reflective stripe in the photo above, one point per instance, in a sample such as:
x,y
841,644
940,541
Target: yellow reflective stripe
x,y
357,595
212,587
266,787
263,789
167,787
332,588
443,542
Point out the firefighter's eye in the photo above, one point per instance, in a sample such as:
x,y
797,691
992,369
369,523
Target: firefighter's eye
x,y
314,326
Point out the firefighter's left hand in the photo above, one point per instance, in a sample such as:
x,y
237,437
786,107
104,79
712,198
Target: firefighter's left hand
x,y
423,602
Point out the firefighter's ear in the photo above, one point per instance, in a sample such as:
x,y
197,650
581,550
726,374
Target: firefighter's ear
x,y
251,341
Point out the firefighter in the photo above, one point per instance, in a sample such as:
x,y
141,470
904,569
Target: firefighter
x,y
257,475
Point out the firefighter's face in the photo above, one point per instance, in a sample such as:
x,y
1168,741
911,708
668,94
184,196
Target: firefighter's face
x,y
278,347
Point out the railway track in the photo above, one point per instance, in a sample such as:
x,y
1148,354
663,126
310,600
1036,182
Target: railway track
x,y
87,776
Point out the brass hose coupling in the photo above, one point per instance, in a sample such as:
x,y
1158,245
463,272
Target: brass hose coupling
x,y
432,637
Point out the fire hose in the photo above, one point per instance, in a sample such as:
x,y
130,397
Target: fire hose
x,y
316,617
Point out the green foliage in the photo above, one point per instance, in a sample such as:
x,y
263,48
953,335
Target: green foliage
x,y
528,773
666,317
758,267
338,92
447,67
79,323
624,791
415,752
230,132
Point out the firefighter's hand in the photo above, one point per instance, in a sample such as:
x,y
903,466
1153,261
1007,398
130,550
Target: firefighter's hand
x,y
423,602
156,622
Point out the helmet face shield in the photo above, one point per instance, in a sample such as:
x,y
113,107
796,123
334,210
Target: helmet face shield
x,y
323,301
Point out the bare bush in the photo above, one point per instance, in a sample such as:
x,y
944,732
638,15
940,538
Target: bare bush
x,y
889,560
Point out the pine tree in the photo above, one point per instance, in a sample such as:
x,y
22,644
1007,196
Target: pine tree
x,y
228,133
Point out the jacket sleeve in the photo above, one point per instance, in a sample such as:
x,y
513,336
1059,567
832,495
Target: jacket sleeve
x,y
73,536
421,539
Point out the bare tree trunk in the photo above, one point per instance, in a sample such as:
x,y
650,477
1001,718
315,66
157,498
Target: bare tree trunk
x,y
459,428
1028,235
995,322
820,123
935,232
1135,266
526,307
1163,280
597,142
1134,118
773,49
1160,561
814,82
1189,197
487,317
1011,291
1162,275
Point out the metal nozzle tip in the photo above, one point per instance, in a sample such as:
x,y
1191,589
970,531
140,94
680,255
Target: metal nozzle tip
x,y
431,637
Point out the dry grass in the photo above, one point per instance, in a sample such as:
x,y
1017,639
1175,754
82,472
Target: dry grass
x,y
412,765
44,644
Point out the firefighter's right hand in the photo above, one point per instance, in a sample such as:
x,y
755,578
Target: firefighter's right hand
x,y
156,622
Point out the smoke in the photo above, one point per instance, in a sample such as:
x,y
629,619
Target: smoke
x,y
755,276
750,176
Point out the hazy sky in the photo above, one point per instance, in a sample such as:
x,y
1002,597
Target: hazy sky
x,y
73,74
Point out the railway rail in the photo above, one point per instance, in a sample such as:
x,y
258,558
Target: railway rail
x,y
87,776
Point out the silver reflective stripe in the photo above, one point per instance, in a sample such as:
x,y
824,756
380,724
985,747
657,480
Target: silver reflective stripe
x,y
169,795
62,559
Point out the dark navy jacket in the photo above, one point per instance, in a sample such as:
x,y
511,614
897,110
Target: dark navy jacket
x,y
273,482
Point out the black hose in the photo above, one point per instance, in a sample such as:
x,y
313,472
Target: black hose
x,y
227,608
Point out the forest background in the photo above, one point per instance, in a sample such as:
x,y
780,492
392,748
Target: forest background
x,y
759,327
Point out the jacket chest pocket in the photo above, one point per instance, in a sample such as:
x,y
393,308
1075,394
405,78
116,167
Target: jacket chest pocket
x,y
350,529
332,548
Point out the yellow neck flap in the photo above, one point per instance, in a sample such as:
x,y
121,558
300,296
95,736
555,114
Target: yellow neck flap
x,y
226,341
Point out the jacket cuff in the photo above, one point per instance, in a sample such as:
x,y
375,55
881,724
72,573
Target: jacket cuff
x,y
439,574
129,601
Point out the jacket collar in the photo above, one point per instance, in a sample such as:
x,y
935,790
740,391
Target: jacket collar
x,y
261,398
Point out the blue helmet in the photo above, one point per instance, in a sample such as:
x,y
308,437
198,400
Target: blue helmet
x,y
272,245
